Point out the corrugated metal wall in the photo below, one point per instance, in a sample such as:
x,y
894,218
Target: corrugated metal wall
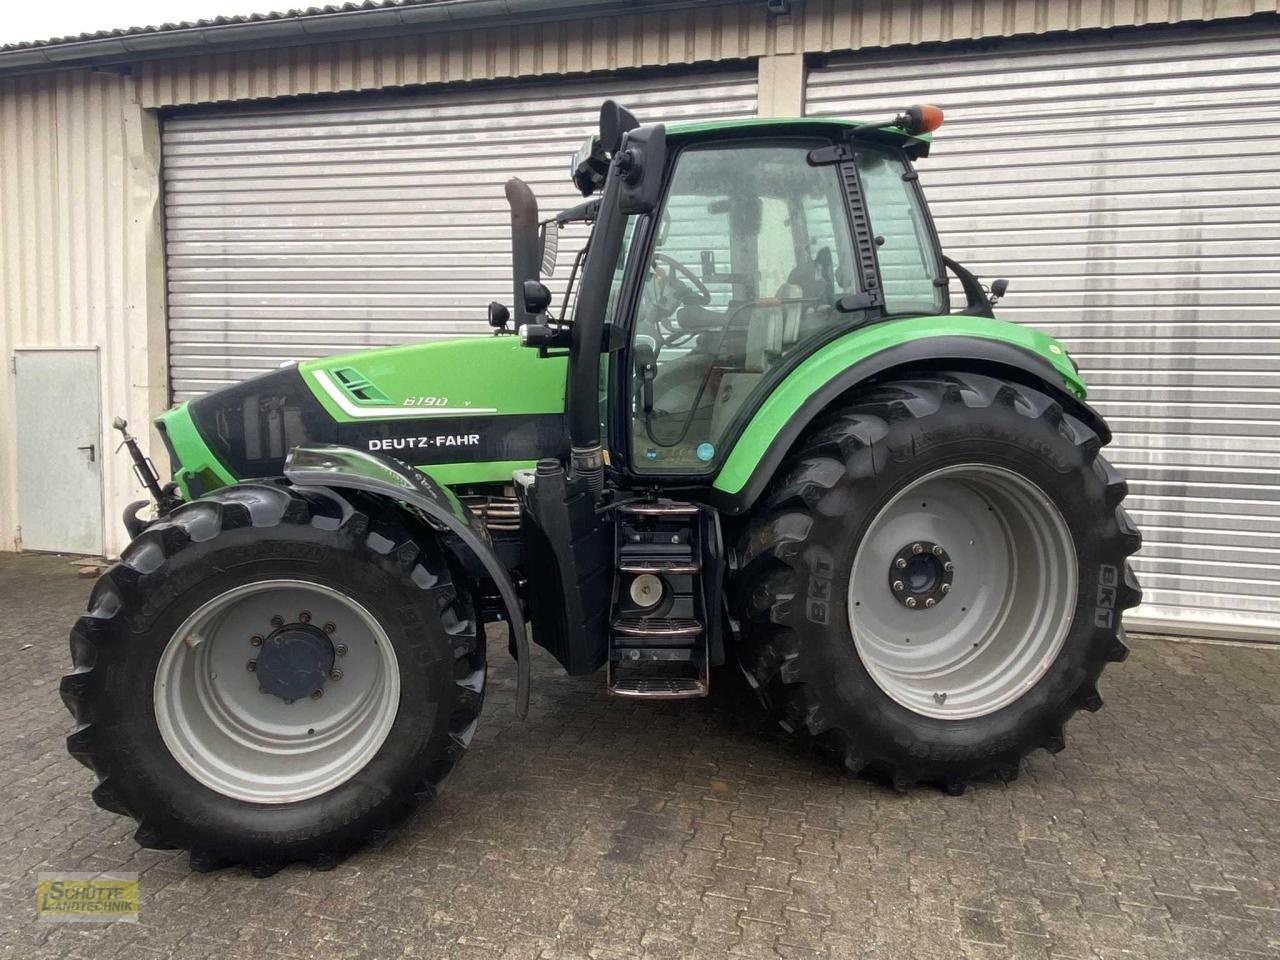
x,y
1131,193
701,35
70,144
304,230
79,265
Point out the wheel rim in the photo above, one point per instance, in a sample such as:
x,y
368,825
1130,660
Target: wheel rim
x,y
274,747
983,603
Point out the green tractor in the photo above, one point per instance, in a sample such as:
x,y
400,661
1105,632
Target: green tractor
x,y
756,434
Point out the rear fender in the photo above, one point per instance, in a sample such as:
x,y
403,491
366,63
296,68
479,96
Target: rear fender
x,y
995,347
330,465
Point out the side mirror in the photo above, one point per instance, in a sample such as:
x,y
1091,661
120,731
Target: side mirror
x,y
615,122
499,315
998,289
640,166
536,298
550,248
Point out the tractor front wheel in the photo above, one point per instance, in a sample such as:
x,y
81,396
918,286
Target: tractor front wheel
x,y
273,674
934,582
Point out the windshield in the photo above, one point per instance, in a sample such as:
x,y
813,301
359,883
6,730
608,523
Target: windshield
x,y
904,243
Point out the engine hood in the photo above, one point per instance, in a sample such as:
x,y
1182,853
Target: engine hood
x,y
463,411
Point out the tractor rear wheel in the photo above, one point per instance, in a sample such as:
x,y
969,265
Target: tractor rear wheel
x,y
271,675
934,581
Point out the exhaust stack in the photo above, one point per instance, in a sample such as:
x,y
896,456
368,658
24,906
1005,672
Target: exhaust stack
x,y
526,254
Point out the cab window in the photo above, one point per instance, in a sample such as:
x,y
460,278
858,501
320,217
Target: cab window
x,y
904,244
751,253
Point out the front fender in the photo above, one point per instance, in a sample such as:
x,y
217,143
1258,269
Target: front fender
x,y
958,342
331,465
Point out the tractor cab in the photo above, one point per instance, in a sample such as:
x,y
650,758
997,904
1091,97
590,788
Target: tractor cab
x,y
744,259
749,262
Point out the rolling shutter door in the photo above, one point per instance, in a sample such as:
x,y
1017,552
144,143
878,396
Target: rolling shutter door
x,y
299,230
1131,194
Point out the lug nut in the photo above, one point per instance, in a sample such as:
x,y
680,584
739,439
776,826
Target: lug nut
x,y
330,627
317,694
917,548
277,621
946,588
911,601
336,675
340,649
304,616
931,602
948,566
901,563
898,586
937,550
251,665
255,641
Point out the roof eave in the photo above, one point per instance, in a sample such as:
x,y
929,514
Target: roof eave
x,y
362,24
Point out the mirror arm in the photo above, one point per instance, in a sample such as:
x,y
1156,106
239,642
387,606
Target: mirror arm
x,y
974,294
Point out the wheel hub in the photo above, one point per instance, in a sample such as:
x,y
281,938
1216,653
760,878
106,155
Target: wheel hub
x,y
920,575
1007,611
295,661
212,708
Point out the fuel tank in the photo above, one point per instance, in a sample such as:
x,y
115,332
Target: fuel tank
x,y
464,411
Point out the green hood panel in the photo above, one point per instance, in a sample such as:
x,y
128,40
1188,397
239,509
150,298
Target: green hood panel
x,y
480,376
463,411
819,369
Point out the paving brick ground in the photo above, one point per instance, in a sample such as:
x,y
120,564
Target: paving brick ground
x,y
601,828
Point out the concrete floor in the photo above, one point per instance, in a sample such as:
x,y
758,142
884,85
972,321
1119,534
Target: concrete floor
x,y
602,828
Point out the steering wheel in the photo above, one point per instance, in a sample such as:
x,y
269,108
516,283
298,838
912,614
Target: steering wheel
x,y
700,294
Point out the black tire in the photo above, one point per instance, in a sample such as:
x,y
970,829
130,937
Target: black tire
x,y
353,543
795,561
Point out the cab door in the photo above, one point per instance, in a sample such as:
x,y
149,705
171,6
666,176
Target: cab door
x,y
746,261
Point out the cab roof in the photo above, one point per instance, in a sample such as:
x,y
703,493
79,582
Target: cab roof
x,y
915,146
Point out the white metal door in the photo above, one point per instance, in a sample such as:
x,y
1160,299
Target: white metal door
x,y
300,230
1131,194
59,450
